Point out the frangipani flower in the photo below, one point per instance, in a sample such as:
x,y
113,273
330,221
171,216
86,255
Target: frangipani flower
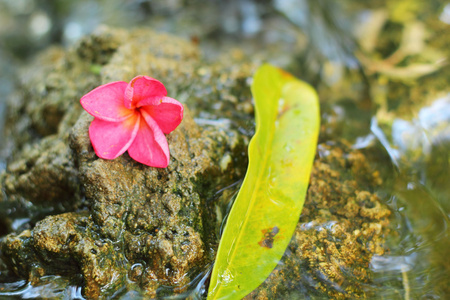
x,y
132,116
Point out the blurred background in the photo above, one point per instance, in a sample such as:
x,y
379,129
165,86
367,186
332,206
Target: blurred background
x,y
279,29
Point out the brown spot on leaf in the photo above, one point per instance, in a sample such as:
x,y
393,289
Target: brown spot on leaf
x,y
268,237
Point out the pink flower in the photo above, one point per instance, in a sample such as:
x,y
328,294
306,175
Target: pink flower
x,y
132,116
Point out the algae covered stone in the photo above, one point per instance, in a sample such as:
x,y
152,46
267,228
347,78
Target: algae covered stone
x,y
118,225
342,226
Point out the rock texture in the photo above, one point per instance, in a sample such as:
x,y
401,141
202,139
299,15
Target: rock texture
x,y
342,226
118,224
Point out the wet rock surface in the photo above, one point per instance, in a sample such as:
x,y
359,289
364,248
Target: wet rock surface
x,y
341,227
113,225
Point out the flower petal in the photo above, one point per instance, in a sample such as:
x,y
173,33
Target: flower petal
x,y
106,102
150,145
112,139
168,114
144,90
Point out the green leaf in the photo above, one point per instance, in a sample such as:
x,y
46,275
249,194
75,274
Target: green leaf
x,y
268,206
